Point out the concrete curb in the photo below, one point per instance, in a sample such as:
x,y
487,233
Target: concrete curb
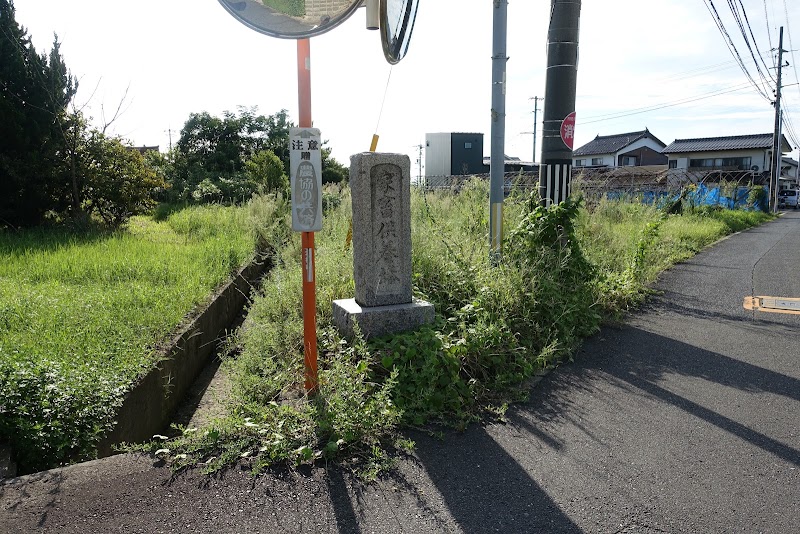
x,y
149,406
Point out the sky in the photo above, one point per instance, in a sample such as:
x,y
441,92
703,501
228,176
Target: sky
x,y
638,58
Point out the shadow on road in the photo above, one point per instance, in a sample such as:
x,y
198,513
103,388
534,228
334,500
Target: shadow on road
x,y
343,509
747,320
657,356
16,493
645,359
485,489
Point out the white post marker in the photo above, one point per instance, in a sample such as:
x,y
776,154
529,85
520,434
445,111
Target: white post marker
x,y
305,162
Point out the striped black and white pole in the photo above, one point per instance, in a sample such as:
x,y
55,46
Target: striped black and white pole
x,y
558,127
555,182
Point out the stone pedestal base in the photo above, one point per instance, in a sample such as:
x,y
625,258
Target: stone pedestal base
x,y
375,321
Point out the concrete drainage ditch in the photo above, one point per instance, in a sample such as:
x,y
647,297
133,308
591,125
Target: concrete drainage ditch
x,y
151,403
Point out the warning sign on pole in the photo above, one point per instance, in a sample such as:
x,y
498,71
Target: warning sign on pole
x,y
568,130
305,162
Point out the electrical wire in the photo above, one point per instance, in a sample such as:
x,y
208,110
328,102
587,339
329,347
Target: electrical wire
x,y
656,107
788,124
791,46
752,53
698,72
769,33
732,47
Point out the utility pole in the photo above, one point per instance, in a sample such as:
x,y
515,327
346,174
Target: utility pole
x,y
776,140
419,162
535,122
558,131
169,132
497,161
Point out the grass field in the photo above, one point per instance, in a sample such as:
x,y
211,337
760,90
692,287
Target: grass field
x,y
563,271
81,316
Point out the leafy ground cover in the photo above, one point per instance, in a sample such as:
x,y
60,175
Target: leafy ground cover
x,y
296,8
82,315
497,323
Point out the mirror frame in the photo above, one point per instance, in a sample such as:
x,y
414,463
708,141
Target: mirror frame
x,y
393,49
311,32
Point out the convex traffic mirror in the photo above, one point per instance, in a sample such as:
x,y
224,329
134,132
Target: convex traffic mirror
x,y
291,19
301,19
397,24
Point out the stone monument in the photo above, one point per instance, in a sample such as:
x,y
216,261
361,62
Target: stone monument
x,y
380,185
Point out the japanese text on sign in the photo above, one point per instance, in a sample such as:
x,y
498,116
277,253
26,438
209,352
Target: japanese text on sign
x,y
568,130
305,162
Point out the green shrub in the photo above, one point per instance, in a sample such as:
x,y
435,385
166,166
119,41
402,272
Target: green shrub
x,y
295,8
118,182
82,313
497,323
757,198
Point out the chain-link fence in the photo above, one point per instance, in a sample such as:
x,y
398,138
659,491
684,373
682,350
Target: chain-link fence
x,y
527,180
656,184
730,188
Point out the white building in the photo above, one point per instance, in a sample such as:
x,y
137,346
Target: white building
x,y
634,149
790,173
736,153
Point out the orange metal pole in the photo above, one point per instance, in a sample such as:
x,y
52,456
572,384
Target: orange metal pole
x,y
309,312
308,260
304,81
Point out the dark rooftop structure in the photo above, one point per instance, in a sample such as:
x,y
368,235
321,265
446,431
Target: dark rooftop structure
x,y
610,144
736,142
144,149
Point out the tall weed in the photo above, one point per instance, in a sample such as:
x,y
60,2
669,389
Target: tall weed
x,y
496,324
81,315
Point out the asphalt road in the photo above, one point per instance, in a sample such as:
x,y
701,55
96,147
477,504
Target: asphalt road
x,y
684,419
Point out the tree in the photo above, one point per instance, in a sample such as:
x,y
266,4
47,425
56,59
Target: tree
x,y
51,162
210,162
333,172
34,93
229,158
265,172
118,182
212,143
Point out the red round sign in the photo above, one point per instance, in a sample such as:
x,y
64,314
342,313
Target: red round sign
x,y
568,130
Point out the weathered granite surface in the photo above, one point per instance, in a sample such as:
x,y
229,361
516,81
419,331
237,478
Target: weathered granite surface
x,y
378,321
380,185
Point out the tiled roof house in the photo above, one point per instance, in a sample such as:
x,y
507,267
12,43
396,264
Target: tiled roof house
x,y
790,171
734,153
621,150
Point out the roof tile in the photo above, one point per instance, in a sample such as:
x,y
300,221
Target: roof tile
x,y
710,144
609,144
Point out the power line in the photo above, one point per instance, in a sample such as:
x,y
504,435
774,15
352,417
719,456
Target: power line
x,y
656,107
769,30
734,8
753,37
732,47
700,71
791,47
688,74
787,122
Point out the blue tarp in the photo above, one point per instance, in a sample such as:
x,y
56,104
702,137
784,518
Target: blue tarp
x,y
702,196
